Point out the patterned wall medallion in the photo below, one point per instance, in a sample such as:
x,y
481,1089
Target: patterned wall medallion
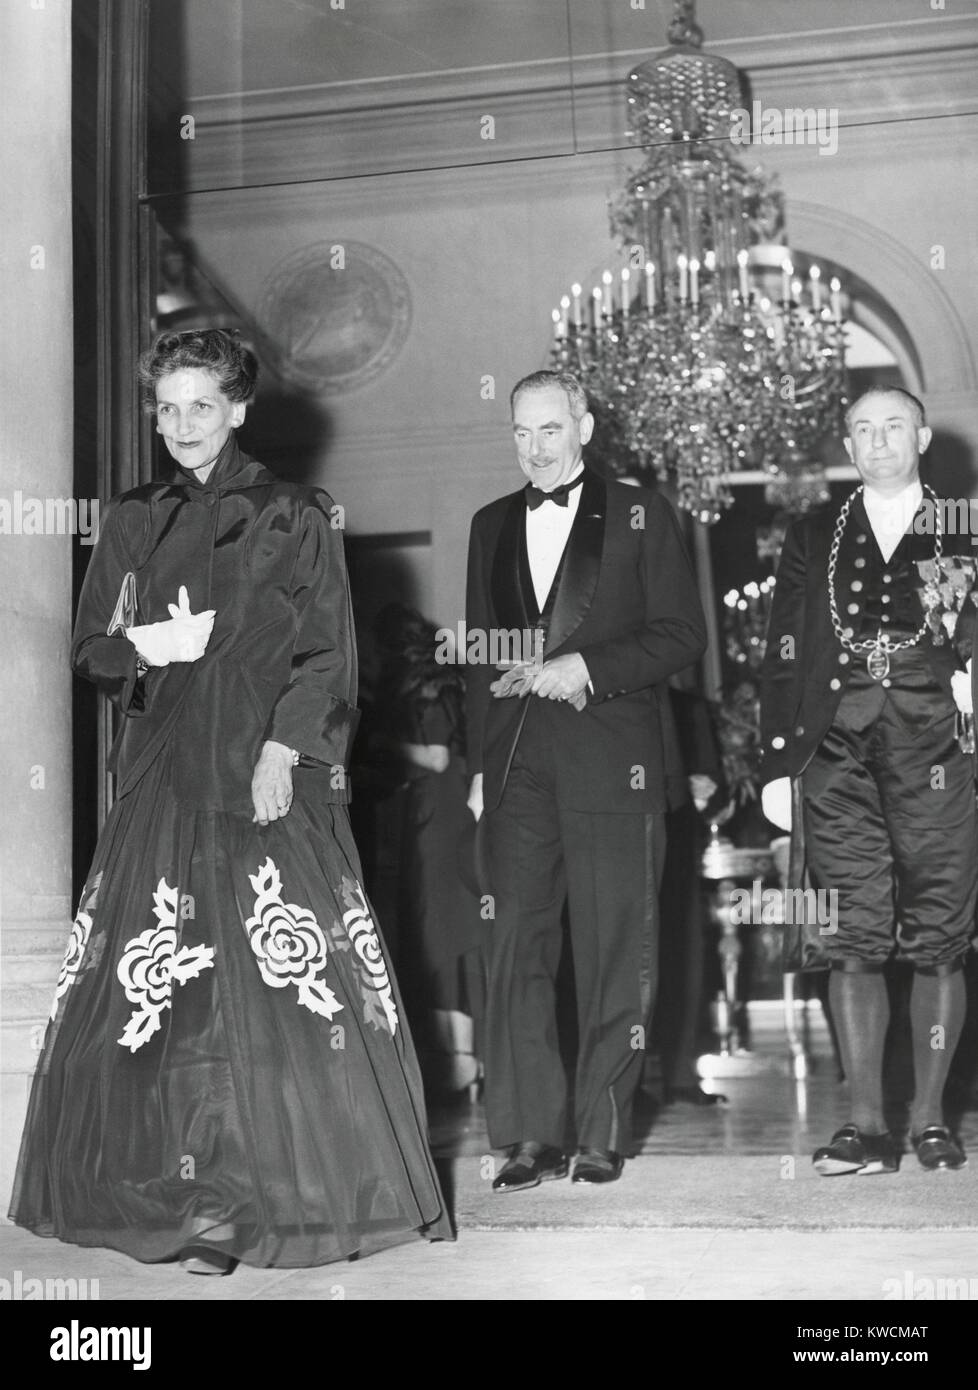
x,y
335,326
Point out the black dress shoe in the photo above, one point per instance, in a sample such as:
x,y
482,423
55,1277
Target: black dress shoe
x,y
529,1165
597,1165
937,1148
851,1151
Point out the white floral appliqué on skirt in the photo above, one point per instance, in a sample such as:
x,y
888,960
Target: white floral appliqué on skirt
x,y
151,964
289,943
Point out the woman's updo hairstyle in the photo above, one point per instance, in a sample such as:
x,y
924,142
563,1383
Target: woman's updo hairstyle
x,y
232,365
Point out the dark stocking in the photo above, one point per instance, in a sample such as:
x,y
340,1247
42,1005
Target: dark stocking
x,y
861,1010
937,1008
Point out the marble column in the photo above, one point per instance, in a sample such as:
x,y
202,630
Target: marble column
x,y
35,569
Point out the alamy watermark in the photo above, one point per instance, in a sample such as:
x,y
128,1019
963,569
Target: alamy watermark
x,y
795,125
785,907
926,1288
23,1288
953,516
49,516
495,646
79,1343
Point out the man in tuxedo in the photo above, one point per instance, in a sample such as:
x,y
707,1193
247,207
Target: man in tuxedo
x,y
859,704
570,778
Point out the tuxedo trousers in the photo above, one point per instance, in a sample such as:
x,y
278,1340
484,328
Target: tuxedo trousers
x,y
606,868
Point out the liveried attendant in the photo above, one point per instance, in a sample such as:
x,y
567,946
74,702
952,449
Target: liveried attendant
x,y
859,707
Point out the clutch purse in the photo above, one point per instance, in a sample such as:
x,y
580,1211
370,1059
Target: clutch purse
x,y
126,611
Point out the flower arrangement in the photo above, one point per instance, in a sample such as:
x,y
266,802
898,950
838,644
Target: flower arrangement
x,y
740,746
745,618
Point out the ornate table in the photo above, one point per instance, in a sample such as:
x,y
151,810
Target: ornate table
x,y
726,868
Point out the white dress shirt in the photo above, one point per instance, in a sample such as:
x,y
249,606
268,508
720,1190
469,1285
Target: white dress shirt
x,y
891,517
547,529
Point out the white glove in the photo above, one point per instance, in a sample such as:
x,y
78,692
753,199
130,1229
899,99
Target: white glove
x,y
183,638
961,690
776,802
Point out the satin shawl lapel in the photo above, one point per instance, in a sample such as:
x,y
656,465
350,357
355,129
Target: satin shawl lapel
x,y
582,561
507,592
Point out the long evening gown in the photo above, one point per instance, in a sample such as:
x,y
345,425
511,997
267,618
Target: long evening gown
x,y
227,1061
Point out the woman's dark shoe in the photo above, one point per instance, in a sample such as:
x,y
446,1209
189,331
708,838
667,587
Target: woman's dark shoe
x,y
529,1165
937,1148
851,1151
201,1259
452,1067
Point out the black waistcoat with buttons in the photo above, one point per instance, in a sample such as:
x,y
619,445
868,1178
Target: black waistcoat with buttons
x,y
881,598
808,672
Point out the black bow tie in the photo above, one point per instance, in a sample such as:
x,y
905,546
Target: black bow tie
x,y
535,496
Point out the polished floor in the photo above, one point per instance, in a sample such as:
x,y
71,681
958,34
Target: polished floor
x,y
615,1247
768,1114
766,1110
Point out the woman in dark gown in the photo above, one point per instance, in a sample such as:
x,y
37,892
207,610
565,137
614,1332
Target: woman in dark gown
x,y
226,1074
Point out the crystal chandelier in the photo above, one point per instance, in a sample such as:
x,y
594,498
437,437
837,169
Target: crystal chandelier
x,y
709,352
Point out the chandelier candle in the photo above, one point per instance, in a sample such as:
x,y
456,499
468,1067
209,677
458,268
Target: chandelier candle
x,y
835,286
787,270
815,276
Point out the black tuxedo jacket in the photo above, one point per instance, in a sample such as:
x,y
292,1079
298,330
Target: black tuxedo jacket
x,y
800,695
625,598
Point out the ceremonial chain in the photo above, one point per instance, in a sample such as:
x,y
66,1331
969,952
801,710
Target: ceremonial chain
x,y
879,649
